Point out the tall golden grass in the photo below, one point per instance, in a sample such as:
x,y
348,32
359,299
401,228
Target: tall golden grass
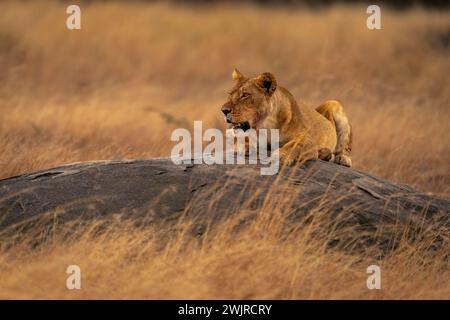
x,y
255,260
117,88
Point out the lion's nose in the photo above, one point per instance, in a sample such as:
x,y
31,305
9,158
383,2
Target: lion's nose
x,y
226,110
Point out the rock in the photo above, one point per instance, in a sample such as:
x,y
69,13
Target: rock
x,y
157,191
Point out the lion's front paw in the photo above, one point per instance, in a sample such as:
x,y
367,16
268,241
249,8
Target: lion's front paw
x,y
325,154
287,161
343,160
293,158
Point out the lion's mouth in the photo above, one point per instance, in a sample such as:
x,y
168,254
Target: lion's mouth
x,y
244,126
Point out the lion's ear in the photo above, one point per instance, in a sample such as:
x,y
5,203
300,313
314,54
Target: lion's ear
x,y
267,82
237,75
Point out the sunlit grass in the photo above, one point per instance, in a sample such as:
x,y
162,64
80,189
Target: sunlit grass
x,y
136,71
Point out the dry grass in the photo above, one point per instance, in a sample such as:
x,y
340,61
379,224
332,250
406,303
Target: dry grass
x,y
117,88
119,260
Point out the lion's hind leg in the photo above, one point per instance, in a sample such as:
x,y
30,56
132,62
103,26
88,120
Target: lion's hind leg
x,y
334,112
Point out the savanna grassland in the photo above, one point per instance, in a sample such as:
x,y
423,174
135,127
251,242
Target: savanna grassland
x,y
117,88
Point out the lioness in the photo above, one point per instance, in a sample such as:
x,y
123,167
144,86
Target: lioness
x,y
305,133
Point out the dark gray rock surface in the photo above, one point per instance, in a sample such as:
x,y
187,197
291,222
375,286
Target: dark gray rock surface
x,y
157,190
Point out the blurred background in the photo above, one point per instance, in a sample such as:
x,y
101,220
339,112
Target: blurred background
x,y
117,88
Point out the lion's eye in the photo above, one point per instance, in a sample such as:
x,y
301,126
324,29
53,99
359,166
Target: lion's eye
x,y
244,95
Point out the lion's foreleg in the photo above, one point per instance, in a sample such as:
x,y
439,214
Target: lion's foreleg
x,y
298,151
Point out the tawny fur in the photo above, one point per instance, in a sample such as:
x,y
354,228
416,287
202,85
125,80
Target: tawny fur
x,y
305,133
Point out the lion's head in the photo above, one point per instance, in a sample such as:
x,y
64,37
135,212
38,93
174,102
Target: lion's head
x,y
248,100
